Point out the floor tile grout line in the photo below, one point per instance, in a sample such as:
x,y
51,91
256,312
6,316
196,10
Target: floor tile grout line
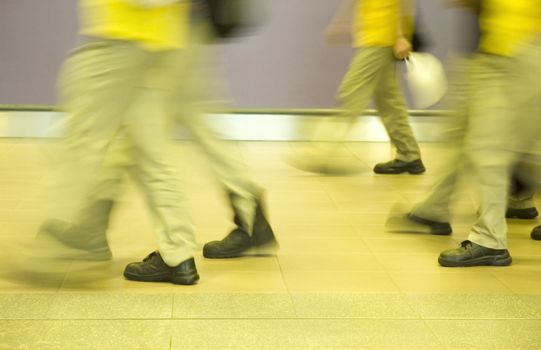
x,y
503,283
277,256
438,337
172,295
457,319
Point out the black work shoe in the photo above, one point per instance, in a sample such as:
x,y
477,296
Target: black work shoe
x,y
525,214
238,242
82,243
233,245
536,233
472,254
154,269
435,227
397,166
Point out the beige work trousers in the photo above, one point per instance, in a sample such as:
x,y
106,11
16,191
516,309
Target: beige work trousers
x,y
372,74
435,205
120,101
504,130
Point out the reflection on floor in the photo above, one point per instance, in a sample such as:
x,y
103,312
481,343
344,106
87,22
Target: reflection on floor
x,y
339,281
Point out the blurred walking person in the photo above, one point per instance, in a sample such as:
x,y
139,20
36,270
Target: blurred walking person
x,y
381,31
503,124
120,89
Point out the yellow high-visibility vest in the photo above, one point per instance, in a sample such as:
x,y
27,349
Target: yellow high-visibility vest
x,y
506,24
375,23
157,28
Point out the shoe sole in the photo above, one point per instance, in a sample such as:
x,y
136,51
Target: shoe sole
x,y
496,260
398,172
434,228
262,250
408,223
184,280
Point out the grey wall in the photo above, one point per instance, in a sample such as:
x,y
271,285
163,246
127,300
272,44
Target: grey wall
x,y
285,65
34,38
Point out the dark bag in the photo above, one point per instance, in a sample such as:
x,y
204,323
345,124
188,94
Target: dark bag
x,y
229,18
420,40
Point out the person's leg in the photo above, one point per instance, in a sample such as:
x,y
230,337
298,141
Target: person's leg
x,y
500,130
432,213
97,85
394,116
230,171
435,206
89,226
511,124
354,94
148,129
356,90
188,107
521,203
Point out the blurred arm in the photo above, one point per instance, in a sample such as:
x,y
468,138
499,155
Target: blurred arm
x,y
345,12
339,29
402,46
151,3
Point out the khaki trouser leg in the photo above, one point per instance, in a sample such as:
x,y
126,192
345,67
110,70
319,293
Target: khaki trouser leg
x,y
188,108
155,174
436,204
503,126
354,95
393,112
521,198
101,84
97,86
358,87
486,148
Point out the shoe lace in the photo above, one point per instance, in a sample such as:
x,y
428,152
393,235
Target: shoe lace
x,y
151,255
466,244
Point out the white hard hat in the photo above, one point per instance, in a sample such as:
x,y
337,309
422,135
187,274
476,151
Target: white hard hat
x,y
426,79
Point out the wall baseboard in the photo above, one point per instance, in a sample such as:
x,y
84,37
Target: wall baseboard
x,y
241,127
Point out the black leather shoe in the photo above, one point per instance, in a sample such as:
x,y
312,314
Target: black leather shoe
x,y
239,242
536,233
82,243
436,227
86,239
233,245
471,254
154,269
525,214
397,166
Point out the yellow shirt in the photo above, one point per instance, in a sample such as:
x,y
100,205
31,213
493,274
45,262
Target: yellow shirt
x,y
506,24
376,21
159,28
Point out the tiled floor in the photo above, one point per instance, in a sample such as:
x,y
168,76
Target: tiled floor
x,y
339,282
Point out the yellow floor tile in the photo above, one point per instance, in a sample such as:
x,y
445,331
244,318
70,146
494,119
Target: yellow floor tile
x,y
328,262
339,281
471,280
